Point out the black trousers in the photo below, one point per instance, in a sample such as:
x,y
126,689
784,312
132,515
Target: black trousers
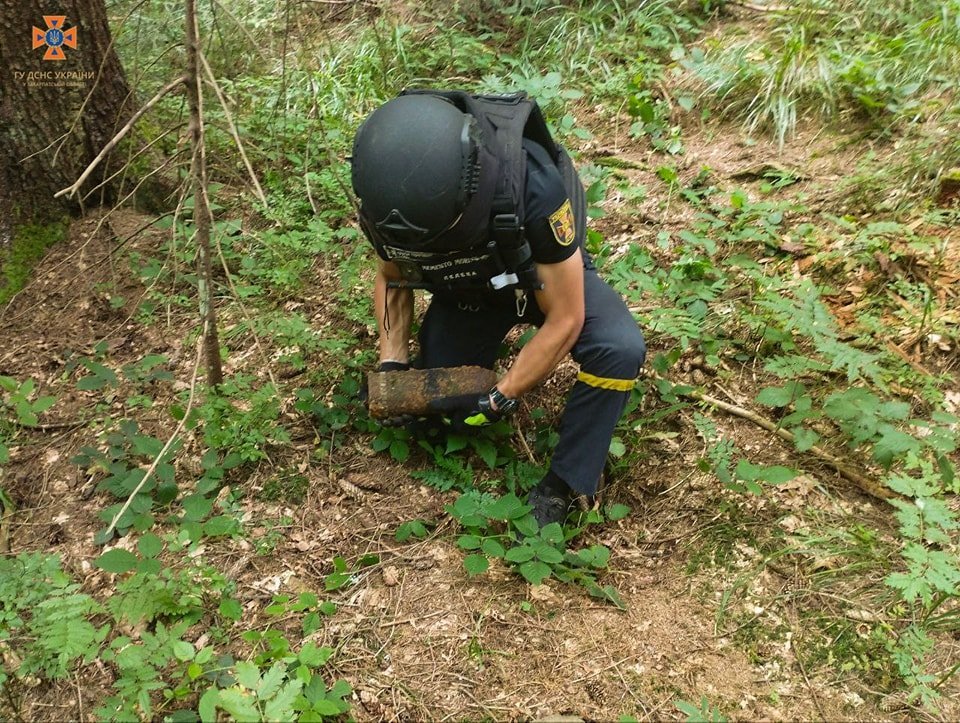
x,y
610,351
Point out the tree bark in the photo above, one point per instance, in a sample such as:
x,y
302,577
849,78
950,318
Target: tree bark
x,y
39,108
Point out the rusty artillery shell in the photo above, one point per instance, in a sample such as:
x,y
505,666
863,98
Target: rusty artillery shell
x,y
410,392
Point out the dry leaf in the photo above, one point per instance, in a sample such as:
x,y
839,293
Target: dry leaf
x,y
391,576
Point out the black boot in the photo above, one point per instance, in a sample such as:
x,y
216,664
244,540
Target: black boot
x,y
550,500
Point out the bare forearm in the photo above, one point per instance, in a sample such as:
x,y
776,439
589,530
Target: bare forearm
x,y
394,311
539,357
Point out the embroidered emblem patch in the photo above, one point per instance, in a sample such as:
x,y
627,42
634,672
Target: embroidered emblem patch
x,y
562,224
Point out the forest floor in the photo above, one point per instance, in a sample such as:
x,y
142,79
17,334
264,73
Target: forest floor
x,y
416,637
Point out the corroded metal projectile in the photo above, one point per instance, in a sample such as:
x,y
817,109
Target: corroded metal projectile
x,y
411,391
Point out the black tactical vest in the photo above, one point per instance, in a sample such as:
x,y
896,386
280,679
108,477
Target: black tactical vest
x,y
498,256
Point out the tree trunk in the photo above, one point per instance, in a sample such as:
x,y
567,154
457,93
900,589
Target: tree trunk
x,y
44,102
201,208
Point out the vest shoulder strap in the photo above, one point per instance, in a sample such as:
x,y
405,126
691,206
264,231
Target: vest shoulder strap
x,y
506,120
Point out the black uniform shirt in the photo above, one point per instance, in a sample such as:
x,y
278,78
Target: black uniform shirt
x,y
544,212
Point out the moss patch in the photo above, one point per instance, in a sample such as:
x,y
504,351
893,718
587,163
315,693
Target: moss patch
x,y
30,242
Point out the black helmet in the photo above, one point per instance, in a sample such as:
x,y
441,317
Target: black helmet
x,y
419,164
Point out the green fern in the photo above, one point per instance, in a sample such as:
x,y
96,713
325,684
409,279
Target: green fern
x,y
44,618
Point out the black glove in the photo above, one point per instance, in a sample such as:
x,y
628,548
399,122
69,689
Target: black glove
x,y
401,420
393,366
466,411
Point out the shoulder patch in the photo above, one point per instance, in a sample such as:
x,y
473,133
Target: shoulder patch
x,y
562,224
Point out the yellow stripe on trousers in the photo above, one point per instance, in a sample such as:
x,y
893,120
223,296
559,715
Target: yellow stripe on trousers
x,y
619,385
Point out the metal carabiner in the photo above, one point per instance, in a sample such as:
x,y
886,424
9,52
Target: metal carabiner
x,y
521,302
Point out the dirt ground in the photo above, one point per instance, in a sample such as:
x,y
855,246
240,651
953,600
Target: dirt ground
x,y
416,638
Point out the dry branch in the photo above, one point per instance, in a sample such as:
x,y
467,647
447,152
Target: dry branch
x,y
863,483
233,128
72,190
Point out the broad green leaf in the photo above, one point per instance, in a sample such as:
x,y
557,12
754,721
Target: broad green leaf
x,y
535,571
280,707
521,553
336,580
4,453
315,690
776,474
893,444
476,564
340,689
414,528
894,410
747,470
220,526
43,404
116,561
208,705
608,593
305,601
617,447
492,548
399,450
550,555
149,544
247,674
804,439
183,651
311,623
617,512
270,684
196,507
313,655
487,451
601,555
469,542
239,705
552,533
774,396
231,609
456,442
586,556
147,446
526,525
508,507
326,707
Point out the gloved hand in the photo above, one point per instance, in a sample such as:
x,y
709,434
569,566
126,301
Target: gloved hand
x,y
466,411
401,420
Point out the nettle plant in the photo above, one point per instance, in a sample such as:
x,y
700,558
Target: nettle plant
x,y
502,528
20,407
819,386
146,633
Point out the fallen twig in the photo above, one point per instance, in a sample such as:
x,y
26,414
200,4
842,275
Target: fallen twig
x,y
54,426
156,460
863,483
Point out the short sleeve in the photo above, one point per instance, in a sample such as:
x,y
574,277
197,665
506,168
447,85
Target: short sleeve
x,y
548,216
